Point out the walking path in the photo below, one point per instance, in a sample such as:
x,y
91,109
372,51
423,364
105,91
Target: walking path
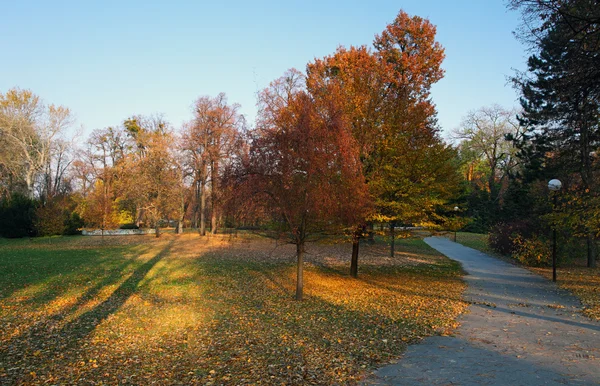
x,y
520,330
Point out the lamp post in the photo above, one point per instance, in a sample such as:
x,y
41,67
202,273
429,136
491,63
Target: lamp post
x,y
455,227
554,186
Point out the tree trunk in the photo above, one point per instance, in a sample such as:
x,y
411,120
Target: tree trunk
x,y
29,184
214,178
587,179
299,270
213,222
393,237
157,230
184,206
196,217
354,261
492,186
138,216
591,251
202,209
371,233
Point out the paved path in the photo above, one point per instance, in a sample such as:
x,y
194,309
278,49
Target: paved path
x,y
520,330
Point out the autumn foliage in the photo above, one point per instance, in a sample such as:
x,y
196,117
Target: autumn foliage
x,y
305,161
350,143
385,95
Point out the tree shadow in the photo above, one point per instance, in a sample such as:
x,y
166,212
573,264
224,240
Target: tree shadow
x,y
40,345
30,266
87,322
590,325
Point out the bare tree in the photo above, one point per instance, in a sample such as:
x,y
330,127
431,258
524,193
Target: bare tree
x,y
32,135
484,132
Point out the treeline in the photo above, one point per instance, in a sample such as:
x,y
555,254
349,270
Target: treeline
x,y
351,142
508,157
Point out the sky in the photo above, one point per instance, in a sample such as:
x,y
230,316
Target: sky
x,y
109,60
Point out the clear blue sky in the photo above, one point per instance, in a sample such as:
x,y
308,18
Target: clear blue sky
x,y
108,60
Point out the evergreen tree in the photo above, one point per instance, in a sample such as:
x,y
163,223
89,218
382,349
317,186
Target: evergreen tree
x,y
561,102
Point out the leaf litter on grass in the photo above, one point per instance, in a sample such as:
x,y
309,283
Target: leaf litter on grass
x,y
581,281
220,311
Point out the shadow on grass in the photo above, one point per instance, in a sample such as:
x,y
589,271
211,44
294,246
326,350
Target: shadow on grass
x,y
258,333
26,268
40,345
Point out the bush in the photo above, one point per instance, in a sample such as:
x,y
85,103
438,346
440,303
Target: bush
x,y
502,236
58,217
475,226
534,251
17,216
129,226
50,219
73,224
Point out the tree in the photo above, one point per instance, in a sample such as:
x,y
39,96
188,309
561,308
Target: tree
x,y
304,160
357,75
483,133
580,17
386,97
413,170
207,141
30,135
58,216
561,92
17,216
100,168
98,208
151,178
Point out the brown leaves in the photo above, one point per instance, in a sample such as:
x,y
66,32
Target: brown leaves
x,y
220,312
583,282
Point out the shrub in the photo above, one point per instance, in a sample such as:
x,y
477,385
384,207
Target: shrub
x,y
502,236
17,216
50,219
129,226
533,251
58,217
73,224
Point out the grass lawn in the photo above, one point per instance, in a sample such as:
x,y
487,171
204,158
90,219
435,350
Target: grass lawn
x,y
191,310
573,275
472,240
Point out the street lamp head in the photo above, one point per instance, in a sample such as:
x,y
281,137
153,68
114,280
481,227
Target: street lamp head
x,y
554,185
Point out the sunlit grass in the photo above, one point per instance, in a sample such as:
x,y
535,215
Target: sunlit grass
x,y
477,241
192,310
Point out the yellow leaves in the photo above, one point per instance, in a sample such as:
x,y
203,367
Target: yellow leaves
x,y
583,282
222,313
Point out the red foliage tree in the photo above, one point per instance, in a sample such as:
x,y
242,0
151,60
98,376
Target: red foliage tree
x,y
385,95
306,161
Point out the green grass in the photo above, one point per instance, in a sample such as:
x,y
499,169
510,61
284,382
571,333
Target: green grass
x,y
474,240
189,310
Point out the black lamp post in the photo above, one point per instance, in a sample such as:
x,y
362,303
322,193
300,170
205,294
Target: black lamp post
x,y
554,186
455,227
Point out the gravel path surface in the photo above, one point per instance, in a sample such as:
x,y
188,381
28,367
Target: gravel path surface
x,y
520,330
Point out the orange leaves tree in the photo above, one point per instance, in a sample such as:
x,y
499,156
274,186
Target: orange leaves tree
x,y
305,161
386,97
208,143
414,172
151,179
